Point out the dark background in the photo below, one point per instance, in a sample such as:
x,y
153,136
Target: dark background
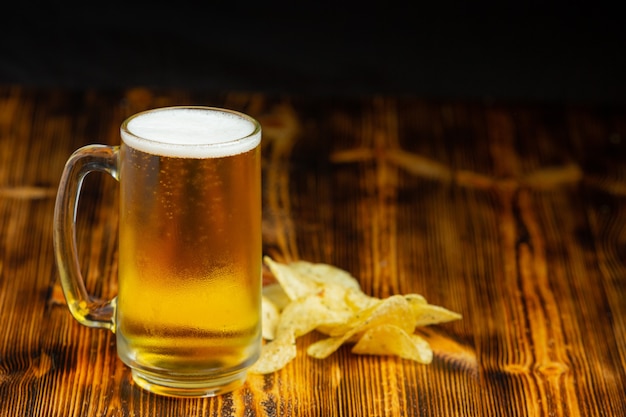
x,y
538,51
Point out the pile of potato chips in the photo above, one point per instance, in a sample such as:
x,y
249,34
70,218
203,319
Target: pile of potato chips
x,y
324,298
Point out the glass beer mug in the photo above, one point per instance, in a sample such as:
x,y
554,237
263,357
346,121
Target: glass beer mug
x,y
187,316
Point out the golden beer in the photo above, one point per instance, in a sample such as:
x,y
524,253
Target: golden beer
x,y
188,306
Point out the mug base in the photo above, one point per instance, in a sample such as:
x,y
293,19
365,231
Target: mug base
x,y
188,387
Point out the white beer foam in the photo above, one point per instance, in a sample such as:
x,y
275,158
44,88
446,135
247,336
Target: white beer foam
x,y
191,132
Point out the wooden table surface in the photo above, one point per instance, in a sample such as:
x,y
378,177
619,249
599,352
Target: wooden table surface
x,y
513,215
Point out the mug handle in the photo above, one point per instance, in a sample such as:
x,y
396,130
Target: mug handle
x,y
87,310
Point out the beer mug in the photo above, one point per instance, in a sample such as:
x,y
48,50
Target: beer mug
x,y
187,315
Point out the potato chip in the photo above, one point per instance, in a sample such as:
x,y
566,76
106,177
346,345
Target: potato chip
x,y
393,310
306,314
297,319
325,274
328,283
325,347
388,339
427,314
321,297
275,293
292,282
269,318
274,356
357,300
416,300
432,314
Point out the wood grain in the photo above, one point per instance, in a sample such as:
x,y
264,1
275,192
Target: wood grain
x,y
512,214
